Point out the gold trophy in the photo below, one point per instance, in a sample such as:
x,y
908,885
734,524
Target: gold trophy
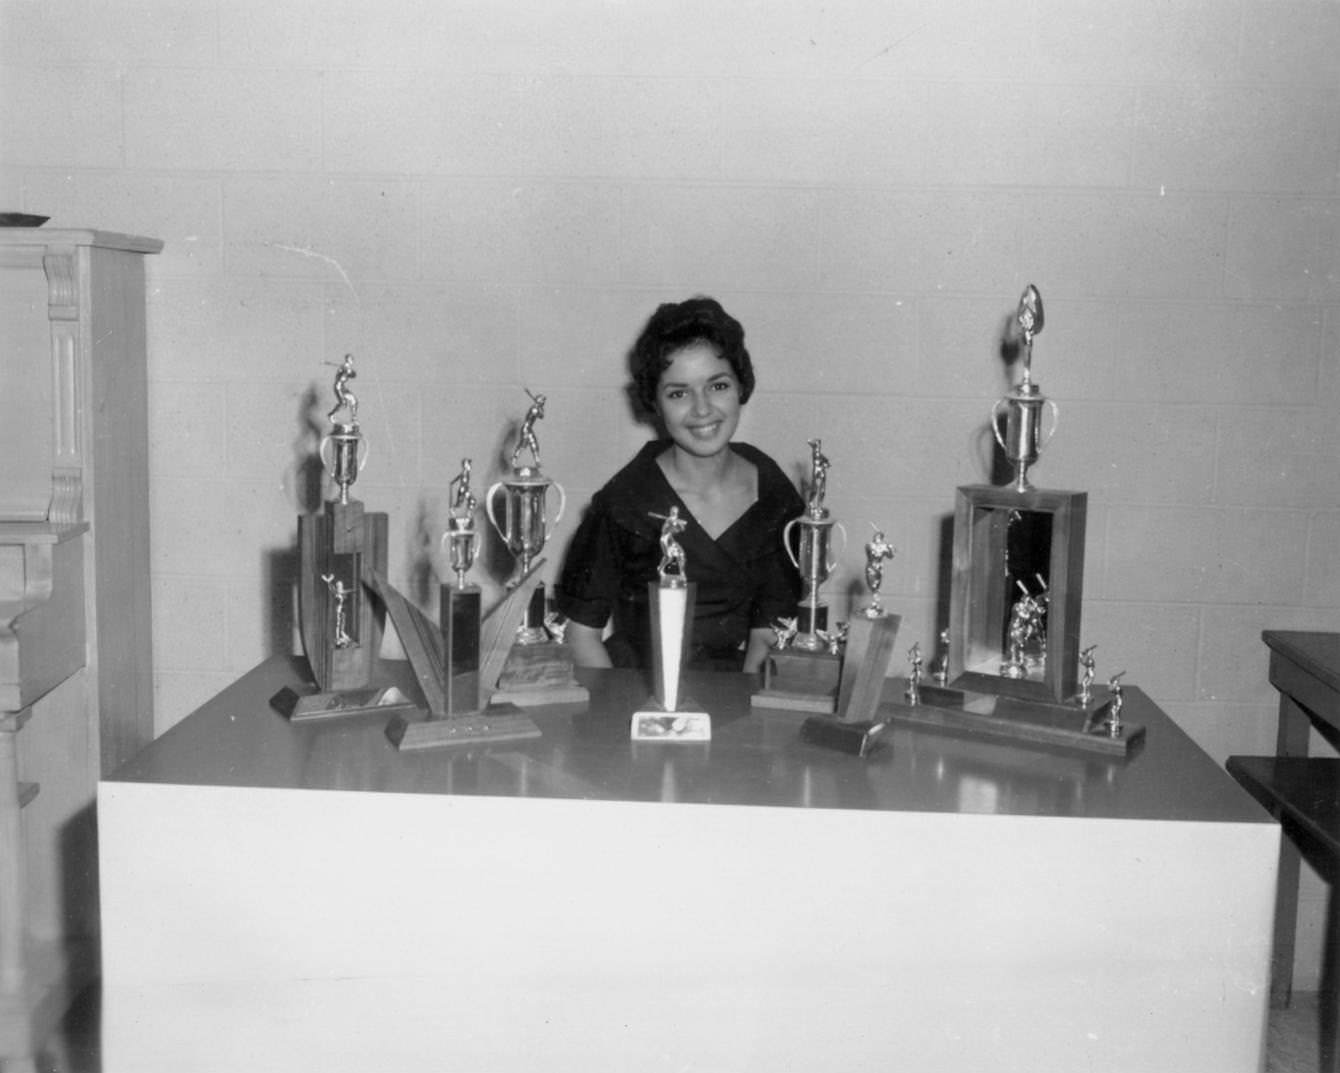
x,y
539,668
670,717
802,672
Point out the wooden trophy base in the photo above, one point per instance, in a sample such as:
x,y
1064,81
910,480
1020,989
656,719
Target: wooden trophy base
x,y
537,675
1074,727
478,728
300,708
865,662
857,739
800,681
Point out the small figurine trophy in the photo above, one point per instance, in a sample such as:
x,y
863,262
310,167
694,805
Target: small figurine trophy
x,y
1027,631
804,675
539,669
1087,664
339,549
941,672
669,717
1021,441
876,551
460,605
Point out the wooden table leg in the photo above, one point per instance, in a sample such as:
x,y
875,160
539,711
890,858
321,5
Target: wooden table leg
x,y
1291,740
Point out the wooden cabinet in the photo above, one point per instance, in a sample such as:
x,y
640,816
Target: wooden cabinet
x,y
76,669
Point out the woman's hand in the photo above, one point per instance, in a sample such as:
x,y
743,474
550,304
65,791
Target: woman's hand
x,y
588,650
760,643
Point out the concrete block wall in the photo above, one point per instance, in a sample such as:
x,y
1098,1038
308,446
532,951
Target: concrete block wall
x,y
477,197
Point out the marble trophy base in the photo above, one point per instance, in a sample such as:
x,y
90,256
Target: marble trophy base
x,y
1070,726
687,723
856,726
539,674
535,674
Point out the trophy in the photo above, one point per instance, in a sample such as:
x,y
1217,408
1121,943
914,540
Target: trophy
x,y
539,668
669,717
866,647
877,550
459,600
1011,654
453,662
803,674
341,625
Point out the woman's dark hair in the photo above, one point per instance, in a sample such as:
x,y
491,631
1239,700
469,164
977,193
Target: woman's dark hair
x,y
676,325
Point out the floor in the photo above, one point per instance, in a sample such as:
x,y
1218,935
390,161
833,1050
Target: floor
x,y
1292,1044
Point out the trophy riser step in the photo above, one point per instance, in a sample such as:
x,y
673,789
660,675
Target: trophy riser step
x,y
541,698
819,703
460,730
1014,727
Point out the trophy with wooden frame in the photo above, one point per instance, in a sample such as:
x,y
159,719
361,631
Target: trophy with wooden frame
x,y
803,670
539,669
1013,651
670,717
341,626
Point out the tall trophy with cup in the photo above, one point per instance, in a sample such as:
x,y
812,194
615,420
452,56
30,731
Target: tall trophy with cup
x,y
803,669
539,667
341,625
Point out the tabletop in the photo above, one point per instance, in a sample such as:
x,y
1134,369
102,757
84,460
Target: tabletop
x,y
1315,651
755,757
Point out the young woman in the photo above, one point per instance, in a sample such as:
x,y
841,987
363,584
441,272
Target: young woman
x,y
691,371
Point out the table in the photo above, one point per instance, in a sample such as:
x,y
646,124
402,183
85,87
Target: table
x,y
1305,668
581,902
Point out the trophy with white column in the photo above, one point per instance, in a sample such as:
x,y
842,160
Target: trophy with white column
x,y
670,717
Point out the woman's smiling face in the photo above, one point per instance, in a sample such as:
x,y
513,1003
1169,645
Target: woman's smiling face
x,y
698,399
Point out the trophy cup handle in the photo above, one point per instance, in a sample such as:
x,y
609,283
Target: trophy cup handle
x,y
1056,421
786,541
562,506
488,510
995,421
843,530
364,448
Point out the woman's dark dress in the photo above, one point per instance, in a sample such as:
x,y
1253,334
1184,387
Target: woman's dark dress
x,y
744,578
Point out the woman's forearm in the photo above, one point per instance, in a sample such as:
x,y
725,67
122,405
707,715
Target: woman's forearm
x,y
588,650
